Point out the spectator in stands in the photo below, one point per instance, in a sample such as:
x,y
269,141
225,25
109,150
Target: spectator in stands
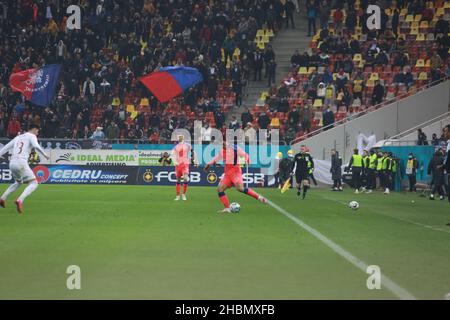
x,y
435,63
263,120
89,89
289,135
112,131
294,117
296,60
98,134
328,118
271,70
442,25
258,61
13,127
324,14
434,140
237,89
311,9
105,87
306,117
341,80
246,117
421,138
289,8
405,77
234,124
378,93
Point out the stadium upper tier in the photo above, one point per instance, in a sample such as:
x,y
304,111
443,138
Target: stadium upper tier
x,y
349,69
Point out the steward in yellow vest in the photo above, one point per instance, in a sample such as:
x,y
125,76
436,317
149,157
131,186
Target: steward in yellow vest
x,y
356,164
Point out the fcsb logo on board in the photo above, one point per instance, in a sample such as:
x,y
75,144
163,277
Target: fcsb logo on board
x,y
147,176
211,177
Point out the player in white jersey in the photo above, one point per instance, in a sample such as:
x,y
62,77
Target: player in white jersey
x,y
20,148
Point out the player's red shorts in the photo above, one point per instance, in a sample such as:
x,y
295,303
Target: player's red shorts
x,y
181,170
231,179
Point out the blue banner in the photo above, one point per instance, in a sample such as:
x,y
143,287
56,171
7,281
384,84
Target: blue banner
x,y
197,177
129,175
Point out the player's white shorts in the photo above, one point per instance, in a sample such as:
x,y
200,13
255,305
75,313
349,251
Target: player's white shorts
x,y
21,171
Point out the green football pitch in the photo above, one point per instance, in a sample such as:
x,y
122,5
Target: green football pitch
x,y
135,242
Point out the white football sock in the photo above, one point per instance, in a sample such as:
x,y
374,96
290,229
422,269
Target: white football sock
x,y
10,190
28,190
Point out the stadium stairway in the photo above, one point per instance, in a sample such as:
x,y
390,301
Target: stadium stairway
x,y
284,44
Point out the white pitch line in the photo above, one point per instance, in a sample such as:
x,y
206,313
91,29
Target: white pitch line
x,y
393,217
388,283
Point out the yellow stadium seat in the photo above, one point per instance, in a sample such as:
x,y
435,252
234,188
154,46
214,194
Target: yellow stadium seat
x,y
428,63
318,103
409,18
439,12
115,102
414,24
374,76
144,102
388,11
130,108
403,12
264,95
275,122
447,5
424,24
417,17
420,63
420,37
303,70
133,115
357,57
423,76
311,70
414,31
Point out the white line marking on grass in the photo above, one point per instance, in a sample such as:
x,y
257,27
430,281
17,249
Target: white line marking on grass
x,y
393,217
388,283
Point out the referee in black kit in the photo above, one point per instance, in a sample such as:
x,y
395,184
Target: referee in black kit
x,y
447,158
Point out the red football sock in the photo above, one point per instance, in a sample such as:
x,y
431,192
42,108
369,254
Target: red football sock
x,y
251,193
224,199
184,188
177,187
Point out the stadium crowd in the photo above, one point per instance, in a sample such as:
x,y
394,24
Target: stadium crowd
x,y
120,41
350,68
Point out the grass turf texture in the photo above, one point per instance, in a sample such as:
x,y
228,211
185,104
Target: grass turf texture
x,y
136,242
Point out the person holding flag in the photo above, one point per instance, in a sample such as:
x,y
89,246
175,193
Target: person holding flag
x,y
38,85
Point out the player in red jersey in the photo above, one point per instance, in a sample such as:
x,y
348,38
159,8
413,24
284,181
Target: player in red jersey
x,y
232,174
182,155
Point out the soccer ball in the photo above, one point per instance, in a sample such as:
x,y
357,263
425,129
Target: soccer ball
x,y
235,207
353,205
